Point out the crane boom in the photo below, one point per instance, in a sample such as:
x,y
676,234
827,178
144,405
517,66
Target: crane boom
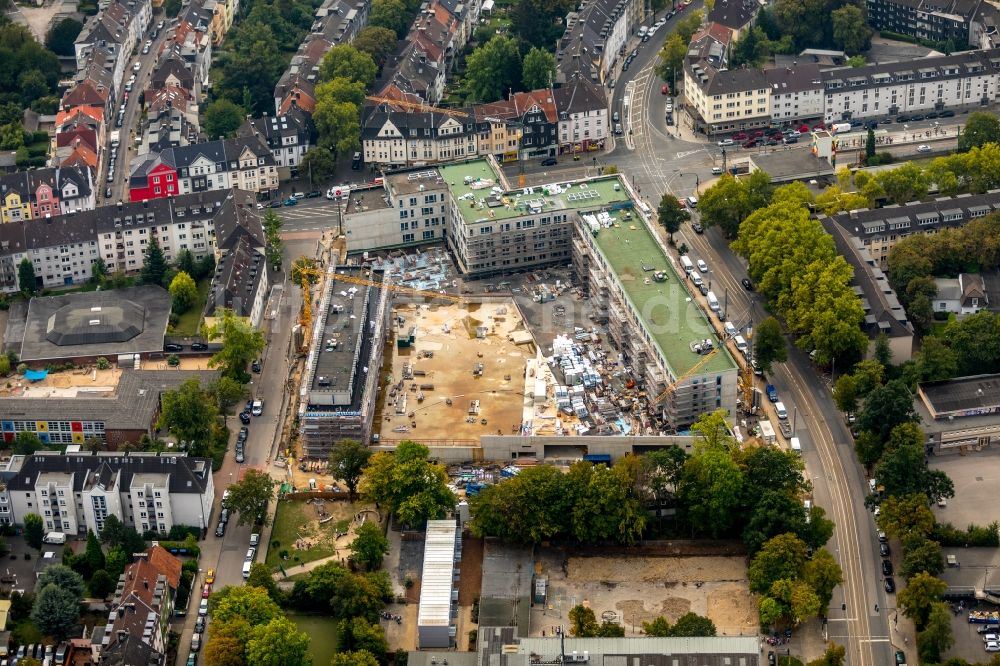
x,y
397,288
415,106
694,368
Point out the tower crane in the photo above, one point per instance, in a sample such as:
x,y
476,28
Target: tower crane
x,y
416,106
694,369
397,288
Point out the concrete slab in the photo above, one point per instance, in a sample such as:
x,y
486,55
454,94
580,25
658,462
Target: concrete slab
x,y
976,476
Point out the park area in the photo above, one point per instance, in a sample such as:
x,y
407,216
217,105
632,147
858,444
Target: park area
x,y
313,529
633,590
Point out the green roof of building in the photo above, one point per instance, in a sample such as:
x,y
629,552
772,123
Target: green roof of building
x,y
471,184
671,316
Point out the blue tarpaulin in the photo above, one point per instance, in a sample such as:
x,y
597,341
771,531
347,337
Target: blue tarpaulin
x,y
36,375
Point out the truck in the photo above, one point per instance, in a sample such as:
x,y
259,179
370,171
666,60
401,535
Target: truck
x,y
54,538
772,393
839,128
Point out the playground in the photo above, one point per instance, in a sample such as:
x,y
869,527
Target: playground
x,y
314,529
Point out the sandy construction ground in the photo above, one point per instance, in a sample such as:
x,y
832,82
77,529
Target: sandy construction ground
x,y
633,590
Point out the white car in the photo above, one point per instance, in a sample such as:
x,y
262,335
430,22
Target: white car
x,y
203,607
136,67
993,647
923,148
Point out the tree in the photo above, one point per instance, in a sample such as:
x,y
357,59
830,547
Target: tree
x,y
93,553
122,540
920,594
252,64
535,21
692,625
822,573
980,129
833,656
26,278
337,124
278,643
34,530
224,648
64,578
975,339
937,635
189,413
360,634
222,118
154,268
921,555
26,443
227,392
98,271
408,484
345,61
249,496
531,507
603,506
906,516
769,344
583,622
671,214
348,458
62,36
538,69
241,343
870,144
659,627
936,360
183,292
781,557
493,70
100,584
376,41
671,57
850,30
360,658
56,610
319,164
332,588
261,577
845,394
272,224
391,15
369,546
246,603
710,488
885,408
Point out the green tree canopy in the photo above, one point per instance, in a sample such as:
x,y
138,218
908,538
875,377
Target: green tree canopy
x,y
671,214
850,30
493,70
62,36
369,546
34,530
920,594
348,459
376,41
183,292
346,61
56,611
278,643
26,278
769,344
249,496
189,413
154,267
538,69
241,344
980,128
407,484
782,557
222,118
391,15
319,164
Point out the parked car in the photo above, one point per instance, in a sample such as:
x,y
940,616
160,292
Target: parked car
x,y
947,114
244,417
772,393
791,139
750,143
698,229
199,346
747,284
549,161
171,347
740,136
890,585
923,148
199,625
726,142
240,456
886,568
900,658
243,434
313,194
664,89
291,201
275,204
884,550
206,591
255,366
210,576
916,119
220,530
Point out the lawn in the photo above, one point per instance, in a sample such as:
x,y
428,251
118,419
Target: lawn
x,y
187,325
295,520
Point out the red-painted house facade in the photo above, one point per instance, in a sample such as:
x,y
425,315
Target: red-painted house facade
x,y
156,182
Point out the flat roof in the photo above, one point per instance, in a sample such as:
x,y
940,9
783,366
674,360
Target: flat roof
x,y
438,574
146,310
785,165
964,396
472,183
672,318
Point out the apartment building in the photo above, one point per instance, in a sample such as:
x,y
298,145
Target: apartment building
x,y
933,20
881,228
41,193
722,100
736,15
76,491
288,135
64,248
396,139
796,93
245,163
957,81
582,106
595,38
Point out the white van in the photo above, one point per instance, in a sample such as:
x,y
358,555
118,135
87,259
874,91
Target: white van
x,y
692,202
779,408
54,538
713,302
730,329
686,263
246,569
643,30
795,444
741,344
258,407
702,266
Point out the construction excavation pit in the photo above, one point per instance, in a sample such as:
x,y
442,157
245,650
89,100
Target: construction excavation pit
x,y
453,373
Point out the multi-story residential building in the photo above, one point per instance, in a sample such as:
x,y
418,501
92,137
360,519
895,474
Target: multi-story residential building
x,y
737,15
723,100
63,249
78,490
41,193
244,163
583,115
933,20
407,138
957,81
536,113
289,136
796,93
595,38
881,228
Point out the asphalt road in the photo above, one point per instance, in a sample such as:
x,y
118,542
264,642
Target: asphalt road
x,y
133,112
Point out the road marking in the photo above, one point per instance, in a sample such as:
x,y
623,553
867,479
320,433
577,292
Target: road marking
x,y
681,155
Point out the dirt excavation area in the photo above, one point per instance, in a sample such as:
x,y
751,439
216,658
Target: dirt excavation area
x,y
633,590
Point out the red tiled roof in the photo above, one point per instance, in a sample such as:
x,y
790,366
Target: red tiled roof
x,y
166,564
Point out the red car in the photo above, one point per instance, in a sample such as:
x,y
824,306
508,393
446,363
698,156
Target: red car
x,y
206,591
740,136
804,129
819,126
664,89
750,144
757,134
